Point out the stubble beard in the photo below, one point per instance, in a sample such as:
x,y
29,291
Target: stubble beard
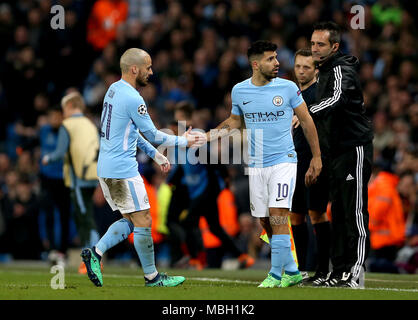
x,y
306,81
141,82
268,76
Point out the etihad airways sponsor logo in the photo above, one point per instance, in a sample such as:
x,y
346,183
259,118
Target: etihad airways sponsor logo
x,y
264,116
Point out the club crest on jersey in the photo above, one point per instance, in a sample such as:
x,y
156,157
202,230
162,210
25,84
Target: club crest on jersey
x,y
142,109
277,101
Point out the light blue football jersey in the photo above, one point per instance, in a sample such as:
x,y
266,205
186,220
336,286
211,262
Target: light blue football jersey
x,y
124,113
267,111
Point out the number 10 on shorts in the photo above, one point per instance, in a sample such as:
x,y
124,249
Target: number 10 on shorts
x,y
282,191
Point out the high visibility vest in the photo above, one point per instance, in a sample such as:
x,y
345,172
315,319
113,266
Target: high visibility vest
x,y
386,215
228,218
83,151
164,197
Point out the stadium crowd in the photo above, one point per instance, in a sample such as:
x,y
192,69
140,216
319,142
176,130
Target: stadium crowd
x,y
199,52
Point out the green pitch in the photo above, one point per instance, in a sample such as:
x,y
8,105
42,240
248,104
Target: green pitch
x,y
20,282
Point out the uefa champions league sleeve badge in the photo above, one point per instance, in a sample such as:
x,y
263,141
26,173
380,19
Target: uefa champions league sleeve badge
x,y
142,109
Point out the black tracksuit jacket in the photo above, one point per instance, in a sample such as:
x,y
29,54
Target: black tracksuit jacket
x,y
340,104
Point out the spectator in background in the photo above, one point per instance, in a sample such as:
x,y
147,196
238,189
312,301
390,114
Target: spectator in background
x,y
23,69
142,10
21,218
5,167
248,238
105,17
413,118
383,135
387,218
7,25
64,53
387,11
78,142
205,76
407,189
54,194
228,219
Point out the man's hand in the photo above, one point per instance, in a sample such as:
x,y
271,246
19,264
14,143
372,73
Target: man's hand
x,y
313,172
295,122
162,162
195,139
309,130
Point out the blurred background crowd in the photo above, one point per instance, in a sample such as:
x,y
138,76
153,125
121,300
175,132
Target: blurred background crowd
x,y
199,52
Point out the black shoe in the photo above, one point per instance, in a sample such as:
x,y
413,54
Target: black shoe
x,y
332,279
346,280
317,279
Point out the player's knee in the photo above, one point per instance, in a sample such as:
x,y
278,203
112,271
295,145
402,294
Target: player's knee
x,y
142,219
317,216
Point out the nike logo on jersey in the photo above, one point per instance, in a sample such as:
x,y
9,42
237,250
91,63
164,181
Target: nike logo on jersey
x,y
349,177
279,199
246,102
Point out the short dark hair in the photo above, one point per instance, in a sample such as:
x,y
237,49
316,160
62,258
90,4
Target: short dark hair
x,y
333,29
305,52
259,47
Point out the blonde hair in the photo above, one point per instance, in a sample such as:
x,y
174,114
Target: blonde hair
x,y
76,100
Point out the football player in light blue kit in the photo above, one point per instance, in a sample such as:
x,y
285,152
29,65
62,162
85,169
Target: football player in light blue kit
x,y
267,104
124,113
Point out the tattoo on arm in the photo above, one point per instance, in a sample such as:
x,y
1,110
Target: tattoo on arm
x,y
226,126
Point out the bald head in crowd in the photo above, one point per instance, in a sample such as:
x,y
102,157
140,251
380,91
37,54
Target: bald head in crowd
x,y
135,65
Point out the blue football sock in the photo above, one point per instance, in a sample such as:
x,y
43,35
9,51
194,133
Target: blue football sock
x,y
281,255
289,263
276,256
144,246
117,232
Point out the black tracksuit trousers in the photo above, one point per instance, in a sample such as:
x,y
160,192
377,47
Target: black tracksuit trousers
x,y
350,173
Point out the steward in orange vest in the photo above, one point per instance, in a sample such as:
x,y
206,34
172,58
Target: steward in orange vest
x,y
387,219
105,17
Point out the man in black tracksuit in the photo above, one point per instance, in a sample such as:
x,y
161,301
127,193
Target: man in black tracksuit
x,y
340,106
